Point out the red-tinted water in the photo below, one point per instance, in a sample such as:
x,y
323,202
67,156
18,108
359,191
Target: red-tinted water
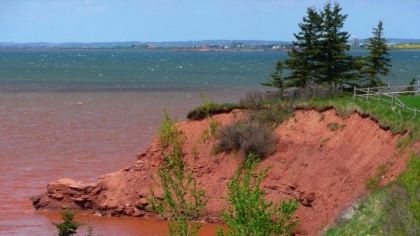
x,y
47,136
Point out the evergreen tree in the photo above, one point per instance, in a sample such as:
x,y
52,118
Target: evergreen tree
x,y
336,66
378,61
303,57
277,80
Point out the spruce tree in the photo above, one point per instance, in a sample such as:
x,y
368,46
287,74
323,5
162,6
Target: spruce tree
x,y
336,67
303,57
378,61
277,80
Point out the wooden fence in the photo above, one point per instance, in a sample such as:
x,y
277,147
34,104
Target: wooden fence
x,y
389,94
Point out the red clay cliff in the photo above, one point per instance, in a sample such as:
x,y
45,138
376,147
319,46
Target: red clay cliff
x,y
325,169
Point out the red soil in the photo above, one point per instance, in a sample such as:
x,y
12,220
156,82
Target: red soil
x,y
325,170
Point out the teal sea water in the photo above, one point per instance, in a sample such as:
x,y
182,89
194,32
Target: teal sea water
x,y
83,70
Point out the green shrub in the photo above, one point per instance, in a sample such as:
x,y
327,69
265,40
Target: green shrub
x,y
249,212
168,133
183,200
209,109
248,136
69,225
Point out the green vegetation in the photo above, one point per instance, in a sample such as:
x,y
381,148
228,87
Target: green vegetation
x,y
69,225
211,132
277,80
334,126
209,109
183,200
250,213
378,61
168,133
397,120
411,101
319,56
305,54
394,210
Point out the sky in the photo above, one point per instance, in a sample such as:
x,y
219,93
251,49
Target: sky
x,y
182,20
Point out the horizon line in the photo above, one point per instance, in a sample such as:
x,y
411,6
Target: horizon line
x,y
177,41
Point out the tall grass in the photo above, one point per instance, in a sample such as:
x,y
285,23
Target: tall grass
x,y
394,210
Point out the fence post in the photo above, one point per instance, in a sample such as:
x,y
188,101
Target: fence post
x,y
367,95
354,92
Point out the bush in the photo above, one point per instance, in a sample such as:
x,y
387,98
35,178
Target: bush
x,y
183,200
250,213
248,136
255,100
69,226
209,109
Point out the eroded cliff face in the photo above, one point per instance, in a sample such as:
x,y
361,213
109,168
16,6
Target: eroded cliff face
x,y
324,168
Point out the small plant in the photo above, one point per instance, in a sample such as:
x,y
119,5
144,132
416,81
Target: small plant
x,y
333,126
213,126
248,136
211,131
403,142
194,152
69,225
168,133
249,212
373,183
183,200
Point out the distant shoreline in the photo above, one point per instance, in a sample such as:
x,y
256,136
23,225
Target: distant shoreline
x,y
168,50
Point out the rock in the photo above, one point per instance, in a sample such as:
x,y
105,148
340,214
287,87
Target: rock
x,y
141,155
57,196
307,199
138,213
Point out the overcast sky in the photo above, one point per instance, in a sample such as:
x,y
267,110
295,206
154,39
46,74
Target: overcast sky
x,y
178,20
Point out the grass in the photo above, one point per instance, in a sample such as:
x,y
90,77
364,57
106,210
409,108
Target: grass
x,y
396,119
210,108
394,210
168,132
411,101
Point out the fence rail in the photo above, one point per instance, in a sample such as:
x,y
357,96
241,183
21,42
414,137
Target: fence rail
x,y
389,94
